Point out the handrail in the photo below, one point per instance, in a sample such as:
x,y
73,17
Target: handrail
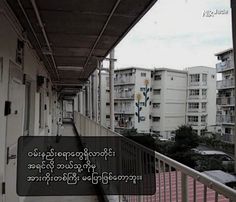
x,y
163,162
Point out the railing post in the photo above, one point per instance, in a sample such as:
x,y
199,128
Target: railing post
x,y
184,187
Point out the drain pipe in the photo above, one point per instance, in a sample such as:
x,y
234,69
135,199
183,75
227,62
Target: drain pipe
x,y
44,33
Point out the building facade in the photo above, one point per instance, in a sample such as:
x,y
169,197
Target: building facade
x,y
201,96
132,90
225,97
158,101
168,101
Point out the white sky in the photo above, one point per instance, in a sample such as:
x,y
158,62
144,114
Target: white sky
x,y
174,34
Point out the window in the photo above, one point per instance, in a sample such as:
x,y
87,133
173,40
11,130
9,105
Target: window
x,y
156,105
202,132
204,105
156,91
193,105
107,104
228,130
142,118
204,92
194,77
107,116
142,89
141,104
193,92
192,118
155,119
204,77
203,119
157,77
143,74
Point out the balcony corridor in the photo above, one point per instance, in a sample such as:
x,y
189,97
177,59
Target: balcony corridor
x,y
67,130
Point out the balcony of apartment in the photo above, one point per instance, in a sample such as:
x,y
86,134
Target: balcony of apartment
x,y
227,137
197,110
224,84
124,124
124,95
225,119
174,181
124,80
224,66
193,84
225,101
123,110
193,123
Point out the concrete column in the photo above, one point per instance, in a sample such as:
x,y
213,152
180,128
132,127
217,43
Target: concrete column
x,y
111,84
100,93
90,98
233,7
95,91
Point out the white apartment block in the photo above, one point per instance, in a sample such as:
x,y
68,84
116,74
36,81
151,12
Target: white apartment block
x,y
168,101
174,98
201,96
225,97
132,89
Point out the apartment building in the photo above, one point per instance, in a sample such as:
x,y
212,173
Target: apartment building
x,y
132,90
201,96
168,107
158,101
225,97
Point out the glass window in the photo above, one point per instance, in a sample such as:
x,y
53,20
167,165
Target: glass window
x,y
193,105
156,91
155,119
204,105
194,77
142,89
157,77
143,74
194,92
204,91
203,118
156,105
193,118
204,77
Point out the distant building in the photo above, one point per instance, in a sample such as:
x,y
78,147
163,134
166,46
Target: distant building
x,y
157,101
225,97
201,96
168,107
132,90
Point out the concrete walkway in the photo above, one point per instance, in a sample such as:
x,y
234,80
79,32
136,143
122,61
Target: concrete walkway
x,y
67,130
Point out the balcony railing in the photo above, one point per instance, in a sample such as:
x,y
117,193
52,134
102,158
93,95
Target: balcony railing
x,y
227,83
174,181
227,137
124,110
225,119
124,95
125,125
225,100
124,80
223,66
199,110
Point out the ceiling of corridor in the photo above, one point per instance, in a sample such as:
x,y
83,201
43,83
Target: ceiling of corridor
x,y
78,31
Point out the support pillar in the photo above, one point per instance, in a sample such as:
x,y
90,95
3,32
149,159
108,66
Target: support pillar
x,y
111,84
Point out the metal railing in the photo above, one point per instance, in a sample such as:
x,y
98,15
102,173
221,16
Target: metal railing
x,y
223,66
225,100
174,181
124,80
225,119
227,83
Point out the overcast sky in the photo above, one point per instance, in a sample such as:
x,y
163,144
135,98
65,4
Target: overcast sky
x,y
175,34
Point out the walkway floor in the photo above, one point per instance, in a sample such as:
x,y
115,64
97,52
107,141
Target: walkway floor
x,y
67,130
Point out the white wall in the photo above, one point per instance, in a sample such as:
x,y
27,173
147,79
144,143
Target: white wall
x,y
31,67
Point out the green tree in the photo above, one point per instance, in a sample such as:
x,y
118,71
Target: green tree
x,y
185,140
